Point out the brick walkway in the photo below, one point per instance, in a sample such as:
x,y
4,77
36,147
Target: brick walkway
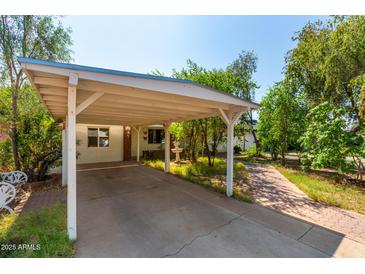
x,y
40,200
273,190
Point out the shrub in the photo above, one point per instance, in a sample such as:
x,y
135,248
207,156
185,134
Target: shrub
x,y
237,149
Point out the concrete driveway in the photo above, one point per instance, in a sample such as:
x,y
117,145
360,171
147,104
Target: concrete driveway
x,y
136,211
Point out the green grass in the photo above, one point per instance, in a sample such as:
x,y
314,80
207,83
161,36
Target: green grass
x,y
45,229
210,177
326,190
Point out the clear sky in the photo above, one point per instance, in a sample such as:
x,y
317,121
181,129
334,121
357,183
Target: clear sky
x,y
144,43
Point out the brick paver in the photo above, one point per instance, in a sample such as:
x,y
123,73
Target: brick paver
x,y
273,190
44,199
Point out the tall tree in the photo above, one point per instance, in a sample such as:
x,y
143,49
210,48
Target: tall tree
x,y
208,132
281,120
41,37
242,70
328,57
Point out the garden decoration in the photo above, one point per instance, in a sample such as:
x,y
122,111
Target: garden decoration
x,y
177,150
16,178
7,195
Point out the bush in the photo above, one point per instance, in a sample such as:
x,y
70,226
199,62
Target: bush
x,y
237,149
39,136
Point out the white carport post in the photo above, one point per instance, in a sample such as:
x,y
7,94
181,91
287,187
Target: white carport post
x,y
71,157
167,148
230,119
64,154
138,130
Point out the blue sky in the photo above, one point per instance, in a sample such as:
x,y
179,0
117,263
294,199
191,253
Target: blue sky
x,y
144,43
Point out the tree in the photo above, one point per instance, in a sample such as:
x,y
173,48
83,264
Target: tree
x,y
207,133
41,37
236,79
328,57
281,120
329,142
242,70
39,136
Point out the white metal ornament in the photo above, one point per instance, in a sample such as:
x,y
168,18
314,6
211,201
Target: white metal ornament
x,y
15,178
7,195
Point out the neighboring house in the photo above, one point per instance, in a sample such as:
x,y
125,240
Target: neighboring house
x,y
245,142
109,143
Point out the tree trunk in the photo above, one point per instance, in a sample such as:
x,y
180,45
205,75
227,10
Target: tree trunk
x,y
253,131
204,125
14,130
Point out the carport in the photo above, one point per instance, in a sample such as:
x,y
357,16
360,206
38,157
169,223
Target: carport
x,y
82,94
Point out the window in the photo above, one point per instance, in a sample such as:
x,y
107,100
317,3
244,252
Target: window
x,y
98,137
155,136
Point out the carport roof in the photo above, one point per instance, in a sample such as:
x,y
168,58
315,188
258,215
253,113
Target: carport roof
x,y
106,96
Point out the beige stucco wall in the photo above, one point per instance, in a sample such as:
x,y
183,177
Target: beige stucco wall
x,y
103,154
115,150
144,145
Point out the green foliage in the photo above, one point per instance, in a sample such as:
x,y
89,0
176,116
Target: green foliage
x,y
324,76
242,70
40,37
202,137
281,120
213,177
251,153
328,56
46,228
328,141
237,149
177,130
39,136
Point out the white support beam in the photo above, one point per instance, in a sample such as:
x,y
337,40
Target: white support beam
x,y
138,130
88,102
224,116
230,119
71,159
64,154
167,147
229,181
236,117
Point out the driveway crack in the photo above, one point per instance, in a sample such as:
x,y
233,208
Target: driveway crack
x,y
200,236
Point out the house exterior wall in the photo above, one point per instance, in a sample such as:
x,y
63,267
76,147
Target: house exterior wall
x,y
114,152
144,145
99,154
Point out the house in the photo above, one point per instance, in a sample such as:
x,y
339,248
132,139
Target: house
x,y
110,143
104,109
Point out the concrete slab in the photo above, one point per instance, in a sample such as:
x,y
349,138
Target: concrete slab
x,y
142,212
277,221
244,238
333,243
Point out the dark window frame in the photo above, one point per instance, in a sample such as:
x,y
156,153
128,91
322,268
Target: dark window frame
x,y
157,135
98,137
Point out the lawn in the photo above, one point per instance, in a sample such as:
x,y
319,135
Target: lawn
x,y
210,177
37,234
326,190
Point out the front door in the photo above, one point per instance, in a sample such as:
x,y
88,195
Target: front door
x,y
127,143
